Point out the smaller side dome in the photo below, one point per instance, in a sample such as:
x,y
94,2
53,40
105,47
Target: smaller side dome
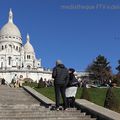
x,y
28,47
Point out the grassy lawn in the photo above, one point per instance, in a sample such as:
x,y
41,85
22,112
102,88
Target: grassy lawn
x,y
97,94
47,91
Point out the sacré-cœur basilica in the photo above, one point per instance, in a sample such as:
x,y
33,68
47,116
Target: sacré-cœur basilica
x,y
17,59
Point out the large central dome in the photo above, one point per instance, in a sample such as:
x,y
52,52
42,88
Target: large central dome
x,y
10,31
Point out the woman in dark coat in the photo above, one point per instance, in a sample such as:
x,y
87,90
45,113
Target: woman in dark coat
x,y
71,88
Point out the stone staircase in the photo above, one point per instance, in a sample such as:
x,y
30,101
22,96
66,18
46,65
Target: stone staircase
x,y
17,104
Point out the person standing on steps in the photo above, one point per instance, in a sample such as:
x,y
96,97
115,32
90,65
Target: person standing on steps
x,y
71,89
61,77
3,81
14,80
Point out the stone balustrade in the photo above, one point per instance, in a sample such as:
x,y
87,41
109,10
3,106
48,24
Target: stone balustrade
x,y
97,111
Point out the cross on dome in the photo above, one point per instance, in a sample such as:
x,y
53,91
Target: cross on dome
x,y
28,38
10,16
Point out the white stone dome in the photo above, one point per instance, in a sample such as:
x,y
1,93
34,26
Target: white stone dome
x,y
10,31
28,48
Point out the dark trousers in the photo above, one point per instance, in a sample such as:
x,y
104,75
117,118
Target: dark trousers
x,y
60,90
70,102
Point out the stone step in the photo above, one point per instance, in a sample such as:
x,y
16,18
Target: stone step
x,y
24,108
17,104
39,111
46,119
37,108
22,104
12,113
43,116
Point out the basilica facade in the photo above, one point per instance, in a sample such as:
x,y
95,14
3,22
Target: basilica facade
x,y
17,59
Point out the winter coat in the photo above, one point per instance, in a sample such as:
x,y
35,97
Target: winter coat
x,y
72,81
60,75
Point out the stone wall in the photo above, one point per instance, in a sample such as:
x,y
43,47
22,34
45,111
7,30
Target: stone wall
x,y
8,75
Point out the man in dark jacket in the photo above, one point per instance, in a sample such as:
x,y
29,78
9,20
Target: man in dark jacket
x,y
61,77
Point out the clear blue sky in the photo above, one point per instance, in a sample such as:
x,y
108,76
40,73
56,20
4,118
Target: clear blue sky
x,y
60,30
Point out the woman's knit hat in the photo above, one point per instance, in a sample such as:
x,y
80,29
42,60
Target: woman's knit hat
x,y
72,70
